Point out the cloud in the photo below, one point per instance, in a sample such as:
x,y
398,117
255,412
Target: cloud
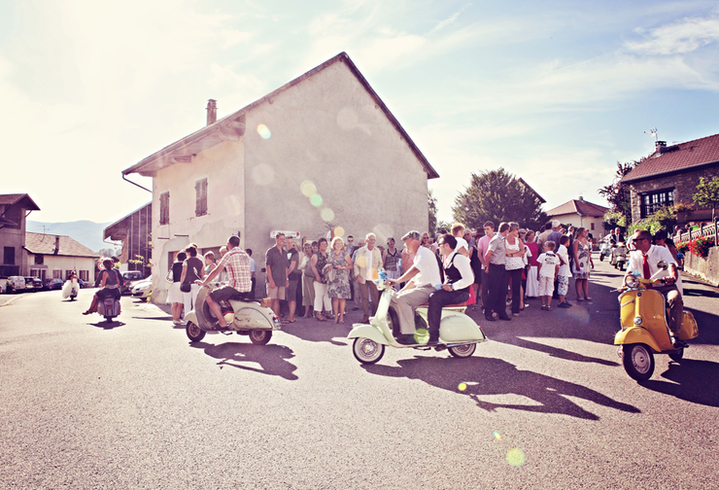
x,y
449,20
681,37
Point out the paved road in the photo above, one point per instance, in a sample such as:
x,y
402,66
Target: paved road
x,y
546,405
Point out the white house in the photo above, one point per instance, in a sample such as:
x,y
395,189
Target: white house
x,y
581,214
55,256
321,154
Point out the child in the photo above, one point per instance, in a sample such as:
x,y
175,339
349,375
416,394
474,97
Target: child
x,y
564,272
548,268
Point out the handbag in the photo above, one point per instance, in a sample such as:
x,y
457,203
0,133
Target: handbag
x,y
168,277
185,287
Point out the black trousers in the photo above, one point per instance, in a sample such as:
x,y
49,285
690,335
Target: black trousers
x,y
498,281
436,301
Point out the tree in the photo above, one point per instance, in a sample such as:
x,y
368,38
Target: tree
x,y
618,194
432,209
707,194
498,196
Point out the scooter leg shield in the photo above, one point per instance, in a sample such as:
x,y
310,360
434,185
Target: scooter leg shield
x,y
636,335
368,332
690,329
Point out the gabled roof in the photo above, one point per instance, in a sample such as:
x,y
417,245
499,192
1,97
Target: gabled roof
x,y
676,158
233,124
44,244
580,207
23,199
118,230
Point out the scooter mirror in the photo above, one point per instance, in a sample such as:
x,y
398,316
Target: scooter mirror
x,y
662,264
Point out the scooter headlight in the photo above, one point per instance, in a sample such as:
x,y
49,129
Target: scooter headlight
x,y
632,281
637,320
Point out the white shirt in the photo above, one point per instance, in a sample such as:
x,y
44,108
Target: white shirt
x,y
655,254
564,270
464,267
426,263
461,242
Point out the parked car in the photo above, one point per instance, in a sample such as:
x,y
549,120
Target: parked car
x,y
53,284
142,289
33,284
130,277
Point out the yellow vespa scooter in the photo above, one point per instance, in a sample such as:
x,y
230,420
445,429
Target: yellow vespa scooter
x,y
645,328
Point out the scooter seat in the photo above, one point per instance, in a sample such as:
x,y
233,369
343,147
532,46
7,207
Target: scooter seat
x,y
458,305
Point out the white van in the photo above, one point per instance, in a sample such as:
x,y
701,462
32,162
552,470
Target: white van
x,y
15,284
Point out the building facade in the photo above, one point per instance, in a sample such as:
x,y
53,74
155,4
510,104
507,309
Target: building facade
x,y
135,233
14,209
581,214
322,155
55,256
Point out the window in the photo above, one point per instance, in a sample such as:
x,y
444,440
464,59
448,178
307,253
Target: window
x,y
591,225
164,208
9,256
57,274
659,199
39,259
201,197
85,275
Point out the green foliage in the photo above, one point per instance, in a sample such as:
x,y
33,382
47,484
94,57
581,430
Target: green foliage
x,y
682,247
432,209
663,219
617,193
707,195
613,219
498,196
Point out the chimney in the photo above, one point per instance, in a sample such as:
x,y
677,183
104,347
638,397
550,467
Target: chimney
x,y
211,111
581,198
57,245
660,146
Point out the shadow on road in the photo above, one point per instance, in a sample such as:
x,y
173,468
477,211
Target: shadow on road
x,y
271,358
690,380
105,325
311,330
498,377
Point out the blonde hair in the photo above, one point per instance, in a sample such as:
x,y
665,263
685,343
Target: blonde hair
x,y
335,240
456,228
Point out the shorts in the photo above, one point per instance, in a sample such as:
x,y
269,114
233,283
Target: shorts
x,y
562,285
276,293
291,291
174,295
546,286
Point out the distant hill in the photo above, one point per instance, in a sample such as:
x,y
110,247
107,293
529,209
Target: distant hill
x,y
86,232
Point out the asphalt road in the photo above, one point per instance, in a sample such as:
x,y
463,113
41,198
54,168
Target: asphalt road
x,y
547,404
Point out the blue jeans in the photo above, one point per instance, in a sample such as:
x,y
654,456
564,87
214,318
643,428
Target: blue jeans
x,y
436,301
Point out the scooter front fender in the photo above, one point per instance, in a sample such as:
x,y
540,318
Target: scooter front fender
x,y
636,335
362,330
191,317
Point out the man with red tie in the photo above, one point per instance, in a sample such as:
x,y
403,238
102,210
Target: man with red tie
x,y
644,260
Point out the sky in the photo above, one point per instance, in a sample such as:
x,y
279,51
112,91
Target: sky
x,y
554,92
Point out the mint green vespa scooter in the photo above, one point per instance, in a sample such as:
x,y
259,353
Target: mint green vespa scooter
x,y
458,333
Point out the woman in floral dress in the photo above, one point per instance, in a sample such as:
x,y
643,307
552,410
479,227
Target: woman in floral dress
x,y
338,286
582,264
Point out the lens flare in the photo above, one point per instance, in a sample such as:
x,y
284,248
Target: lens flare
x,y
316,200
308,188
327,214
515,457
264,131
339,231
497,435
462,386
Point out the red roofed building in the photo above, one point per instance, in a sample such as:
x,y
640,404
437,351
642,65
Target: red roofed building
x,y
671,174
581,214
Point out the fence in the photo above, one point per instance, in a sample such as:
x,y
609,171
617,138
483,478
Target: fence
x,y
706,230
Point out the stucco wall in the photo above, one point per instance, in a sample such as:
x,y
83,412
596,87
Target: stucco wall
x,y
14,238
684,185
327,130
61,262
222,166
584,222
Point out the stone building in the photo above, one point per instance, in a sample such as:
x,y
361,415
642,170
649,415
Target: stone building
x,y
14,209
671,174
135,232
320,155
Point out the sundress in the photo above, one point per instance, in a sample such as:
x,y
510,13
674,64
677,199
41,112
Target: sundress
x,y
583,254
339,285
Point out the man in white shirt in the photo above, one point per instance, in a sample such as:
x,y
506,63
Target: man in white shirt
x,y
367,261
644,260
458,276
421,280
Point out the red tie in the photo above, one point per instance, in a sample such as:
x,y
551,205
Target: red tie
x,y
647,273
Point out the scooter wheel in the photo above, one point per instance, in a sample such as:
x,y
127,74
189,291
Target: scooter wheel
x,y
260,337
465,350
367,351
638,361
677,355
194,333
